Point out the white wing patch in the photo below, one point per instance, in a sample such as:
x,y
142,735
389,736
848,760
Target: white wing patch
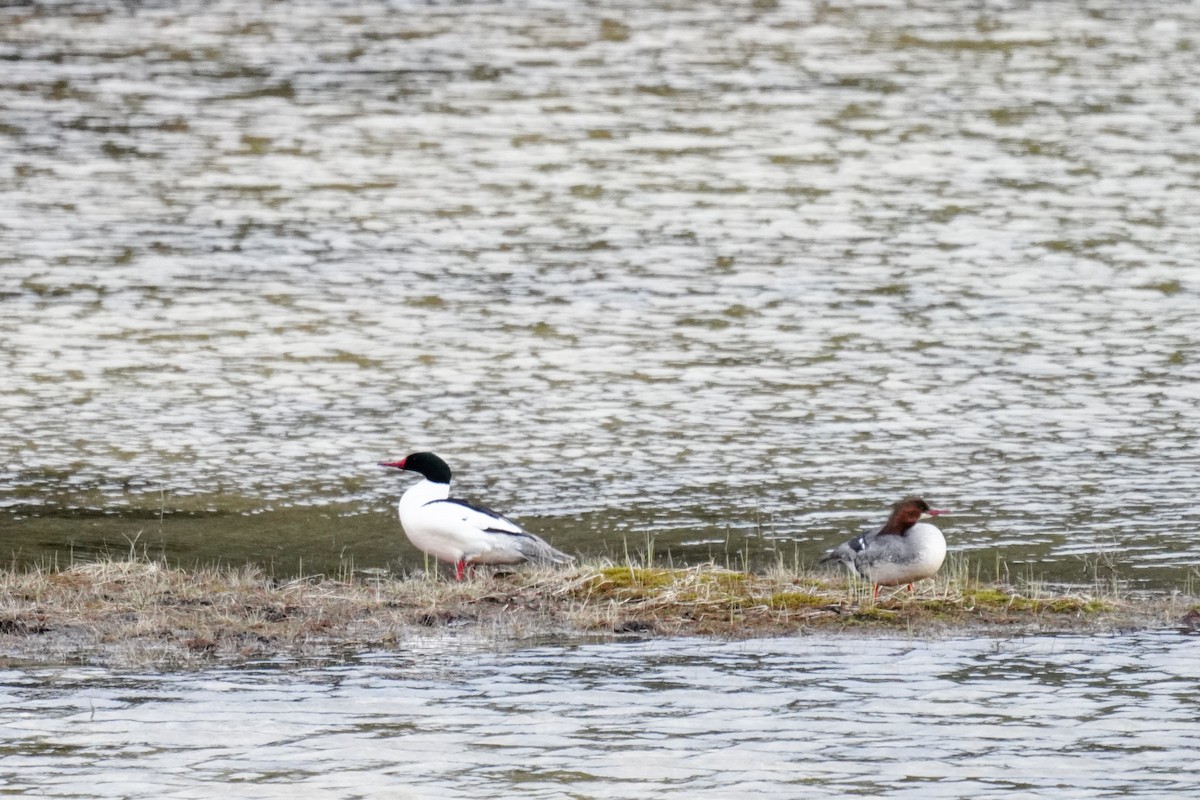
x,y
478,517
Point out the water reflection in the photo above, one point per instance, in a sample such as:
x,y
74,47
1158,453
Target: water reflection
x,y
828,717
682,269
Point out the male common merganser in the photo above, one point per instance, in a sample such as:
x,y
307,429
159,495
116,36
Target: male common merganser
x,y
902,551
458,532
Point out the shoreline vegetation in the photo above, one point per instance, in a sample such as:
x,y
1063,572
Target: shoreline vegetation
x,y
143,612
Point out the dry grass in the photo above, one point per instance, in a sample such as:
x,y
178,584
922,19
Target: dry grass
x,y
141,611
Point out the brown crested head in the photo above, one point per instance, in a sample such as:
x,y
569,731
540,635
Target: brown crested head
x,y
907,513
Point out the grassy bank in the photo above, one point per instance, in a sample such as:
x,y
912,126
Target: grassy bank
x,y
144,612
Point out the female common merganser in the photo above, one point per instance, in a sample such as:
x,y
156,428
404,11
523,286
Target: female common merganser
x,y
458,532
904,550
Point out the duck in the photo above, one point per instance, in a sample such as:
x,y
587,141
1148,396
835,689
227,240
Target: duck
x,y
904,550
459,532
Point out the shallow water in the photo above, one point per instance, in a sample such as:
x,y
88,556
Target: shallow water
x,y
1042,716
731,277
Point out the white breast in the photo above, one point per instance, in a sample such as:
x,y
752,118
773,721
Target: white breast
x,y
451,531
913,556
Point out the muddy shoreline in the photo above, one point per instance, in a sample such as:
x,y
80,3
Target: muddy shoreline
x,y
144,613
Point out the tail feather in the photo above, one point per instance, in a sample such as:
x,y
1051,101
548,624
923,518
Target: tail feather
x,y
838,554
539,551
843,554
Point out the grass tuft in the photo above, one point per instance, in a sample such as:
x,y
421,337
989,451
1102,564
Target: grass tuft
x,y
138,610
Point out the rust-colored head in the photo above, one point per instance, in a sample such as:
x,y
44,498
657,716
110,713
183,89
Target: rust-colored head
x,y
907,513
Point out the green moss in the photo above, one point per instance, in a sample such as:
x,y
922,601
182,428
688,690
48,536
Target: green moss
x,y
719,596
642,576
1076,605
991,598
611,579
787,600
997,600
873,614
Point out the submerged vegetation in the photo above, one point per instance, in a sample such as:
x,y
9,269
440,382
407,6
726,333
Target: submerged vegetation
x,y
141,611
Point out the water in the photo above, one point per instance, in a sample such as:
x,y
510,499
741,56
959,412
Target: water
x,y
727,276
956,718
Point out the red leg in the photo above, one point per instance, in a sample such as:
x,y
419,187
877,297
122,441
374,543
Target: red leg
x,y
459,567
877,591
910,588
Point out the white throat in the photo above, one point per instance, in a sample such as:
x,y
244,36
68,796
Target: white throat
x,y
424,492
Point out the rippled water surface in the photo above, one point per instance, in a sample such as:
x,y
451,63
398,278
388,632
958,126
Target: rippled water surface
x,y
1043,716
730,275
